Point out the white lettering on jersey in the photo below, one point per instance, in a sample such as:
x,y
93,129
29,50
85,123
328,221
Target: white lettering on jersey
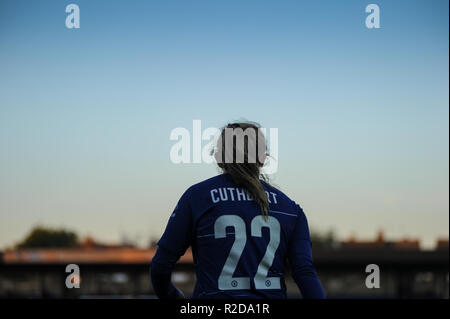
x,y
237,194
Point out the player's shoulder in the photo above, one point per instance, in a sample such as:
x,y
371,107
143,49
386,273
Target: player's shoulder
x,y
288,205
271,188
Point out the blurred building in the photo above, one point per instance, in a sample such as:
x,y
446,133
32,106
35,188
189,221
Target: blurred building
x,y
381,242
123,271
442,243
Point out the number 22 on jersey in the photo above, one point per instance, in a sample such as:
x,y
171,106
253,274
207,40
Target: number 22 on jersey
x,y
226,279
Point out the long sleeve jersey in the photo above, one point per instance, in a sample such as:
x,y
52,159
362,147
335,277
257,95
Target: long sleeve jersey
x,y
237,252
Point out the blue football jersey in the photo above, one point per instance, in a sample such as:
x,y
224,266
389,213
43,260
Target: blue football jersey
x,y
237,252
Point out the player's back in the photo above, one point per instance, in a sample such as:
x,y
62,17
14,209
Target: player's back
x,y
239,245
237,251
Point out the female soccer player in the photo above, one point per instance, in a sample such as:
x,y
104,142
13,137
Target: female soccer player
x,y
241,229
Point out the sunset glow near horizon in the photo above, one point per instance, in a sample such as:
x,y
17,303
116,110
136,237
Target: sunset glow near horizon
x,y
86,114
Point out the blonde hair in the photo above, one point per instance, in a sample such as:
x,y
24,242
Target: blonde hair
x,y
246,170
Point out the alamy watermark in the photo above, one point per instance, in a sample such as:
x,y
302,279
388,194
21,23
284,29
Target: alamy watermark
x,y
372,21
373,279
73,17
73,280
208,147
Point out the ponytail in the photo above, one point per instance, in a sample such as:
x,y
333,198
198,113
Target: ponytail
x,y
246,174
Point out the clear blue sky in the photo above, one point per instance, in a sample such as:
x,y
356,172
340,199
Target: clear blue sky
x,y
85,115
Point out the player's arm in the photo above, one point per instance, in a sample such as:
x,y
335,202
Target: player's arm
x,y
172,245
161,272
300,258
